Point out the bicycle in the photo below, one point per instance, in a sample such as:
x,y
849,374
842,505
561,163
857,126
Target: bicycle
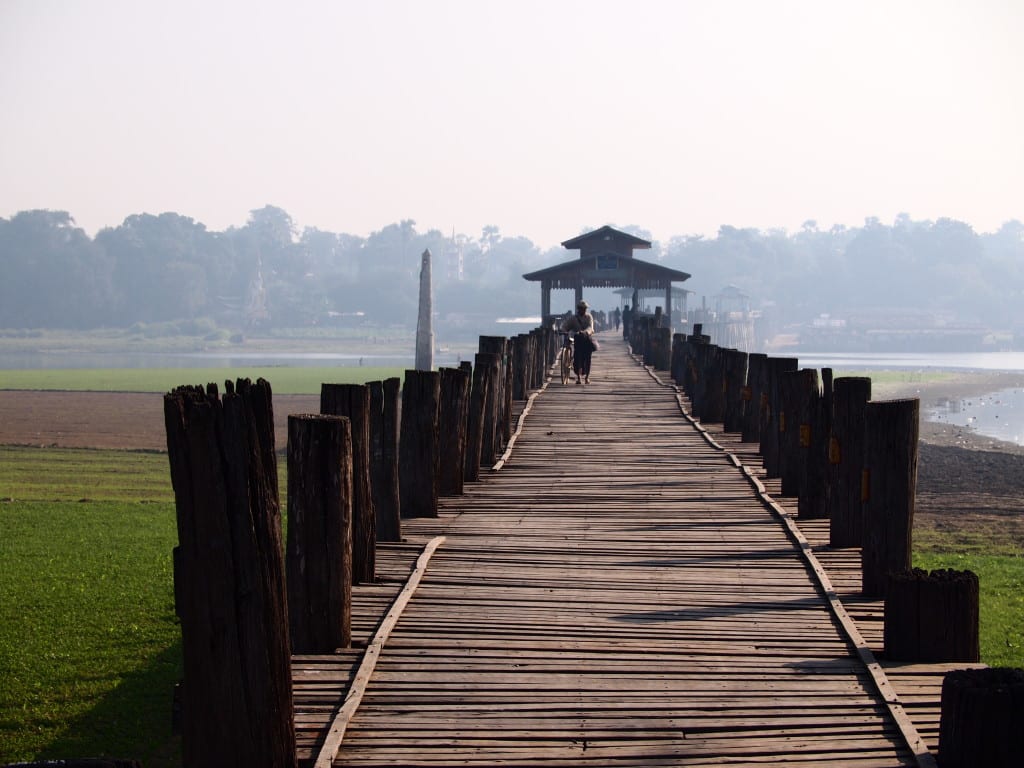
x,y
565,358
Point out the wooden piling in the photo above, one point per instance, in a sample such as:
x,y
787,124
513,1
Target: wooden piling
x,y
229,577
734,379
846,461
811,447
384,407
502,396
479,405
661,348
319,542
489,396
419,446
771,409
713,403
697,378
888,483
453,421
757,369
982,713
353,402
932,617
680,351
791,387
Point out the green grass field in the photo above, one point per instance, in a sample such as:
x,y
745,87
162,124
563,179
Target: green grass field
x,y
89,643
283,381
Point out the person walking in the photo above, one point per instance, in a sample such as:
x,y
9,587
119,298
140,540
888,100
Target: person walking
x,y
582,323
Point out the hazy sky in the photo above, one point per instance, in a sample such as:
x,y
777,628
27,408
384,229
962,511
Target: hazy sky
x,y
538,117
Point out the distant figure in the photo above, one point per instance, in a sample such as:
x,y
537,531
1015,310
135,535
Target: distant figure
x,y
617,317
627,321
583,324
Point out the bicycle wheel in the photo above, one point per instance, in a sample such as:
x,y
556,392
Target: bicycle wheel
x,y
565,361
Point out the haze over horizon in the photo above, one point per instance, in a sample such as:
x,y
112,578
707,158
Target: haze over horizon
x,y
542,118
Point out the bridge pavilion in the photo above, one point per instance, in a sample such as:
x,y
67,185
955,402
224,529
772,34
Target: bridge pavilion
x,y
606,261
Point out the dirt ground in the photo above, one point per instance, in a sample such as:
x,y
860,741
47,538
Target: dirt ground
x,y
123,420
966,482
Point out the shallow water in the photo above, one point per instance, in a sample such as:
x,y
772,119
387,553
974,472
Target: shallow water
x,y
949,361
999,415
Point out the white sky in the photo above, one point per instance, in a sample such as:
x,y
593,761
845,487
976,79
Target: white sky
x,y
539,116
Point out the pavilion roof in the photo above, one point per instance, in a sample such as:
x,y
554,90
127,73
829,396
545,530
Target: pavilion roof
x,y
606,261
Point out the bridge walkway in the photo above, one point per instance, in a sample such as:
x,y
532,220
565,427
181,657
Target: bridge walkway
x,y
618,594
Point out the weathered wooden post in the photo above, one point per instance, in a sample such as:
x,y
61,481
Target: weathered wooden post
x,y
452,421
642,335
545,355
757,370
384,458
846,461
790,465
502,401
734,379
661,348
319,542
419,446
353,402
827,394
811,450
680,352
479,407
491,434
229,585
697,377
520,366
888,484
932,617
713,401
772,425
982,713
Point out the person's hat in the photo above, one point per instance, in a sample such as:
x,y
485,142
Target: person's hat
x,y
582,304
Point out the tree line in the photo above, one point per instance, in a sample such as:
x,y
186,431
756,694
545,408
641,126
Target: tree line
x,y
169,267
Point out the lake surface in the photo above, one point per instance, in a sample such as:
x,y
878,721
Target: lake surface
x,y
950,361
999,415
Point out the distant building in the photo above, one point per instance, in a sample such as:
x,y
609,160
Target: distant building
x,y
454,258
606,261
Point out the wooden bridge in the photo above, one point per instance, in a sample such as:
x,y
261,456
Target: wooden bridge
x,y
624,591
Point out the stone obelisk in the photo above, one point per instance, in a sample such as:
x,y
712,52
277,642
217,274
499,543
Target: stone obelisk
x,y
424,324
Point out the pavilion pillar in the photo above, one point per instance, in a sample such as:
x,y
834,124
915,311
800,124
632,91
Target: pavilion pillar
x,y
636,298
668,304
545,300
579,295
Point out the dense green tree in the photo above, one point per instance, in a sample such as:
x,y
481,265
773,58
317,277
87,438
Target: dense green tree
x,y
170,267
161,267
53,274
